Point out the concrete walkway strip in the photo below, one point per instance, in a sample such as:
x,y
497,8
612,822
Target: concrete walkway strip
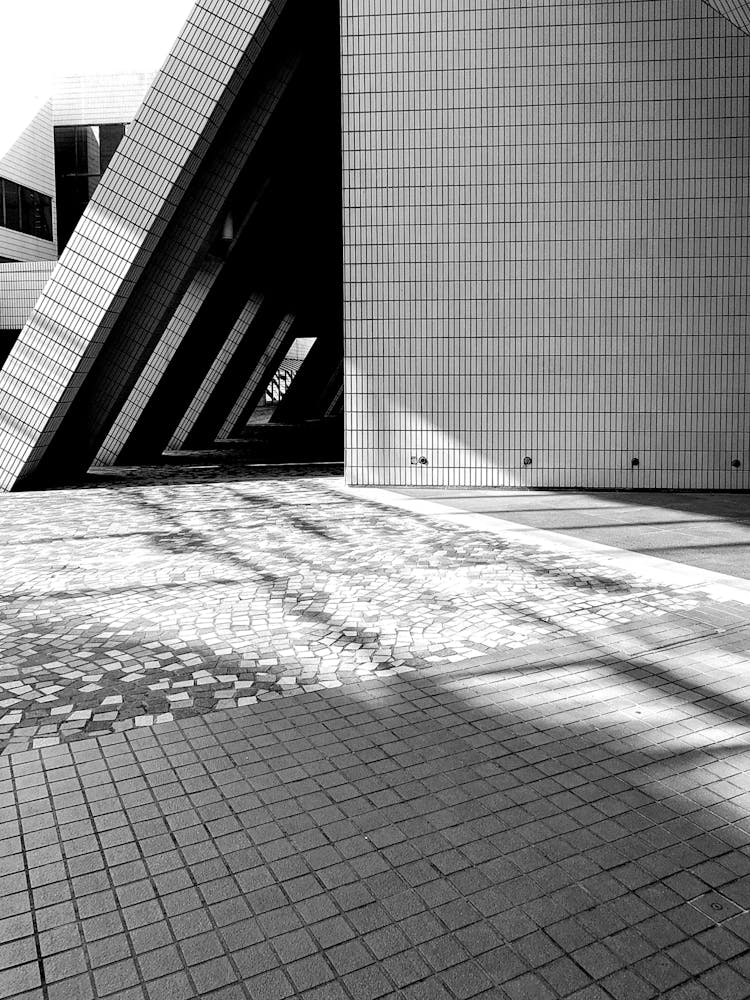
x,y
718,586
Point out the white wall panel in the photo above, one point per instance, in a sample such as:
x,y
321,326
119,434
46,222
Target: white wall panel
x,y
546,221
105,99
20,286
29,159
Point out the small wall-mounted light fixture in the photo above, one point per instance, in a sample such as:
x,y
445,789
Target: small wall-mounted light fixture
x,y
527,460
736,463
635,462
414,460
423,460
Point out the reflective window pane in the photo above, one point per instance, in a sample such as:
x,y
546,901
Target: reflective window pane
x,y
25,210
28,211
45,217
12,205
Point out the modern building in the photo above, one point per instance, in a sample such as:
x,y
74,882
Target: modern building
x,y
52,154
27,182
54,151
541,278
90,115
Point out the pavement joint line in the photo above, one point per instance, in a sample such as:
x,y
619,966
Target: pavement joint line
x,y
95,470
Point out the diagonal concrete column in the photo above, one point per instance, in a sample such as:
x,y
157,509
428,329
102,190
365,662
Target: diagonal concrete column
x,y
213,377
233,376
151,306
315,384
164,191
336,406
157,364
264,371
111,359
200,296
129,262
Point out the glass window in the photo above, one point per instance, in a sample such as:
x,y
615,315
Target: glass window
x,y
65,149
45,216
25,210
12,205
28,211
109,140
83,136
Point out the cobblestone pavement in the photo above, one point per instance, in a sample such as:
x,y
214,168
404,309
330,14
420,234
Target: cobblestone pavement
x,y
134,604
508,772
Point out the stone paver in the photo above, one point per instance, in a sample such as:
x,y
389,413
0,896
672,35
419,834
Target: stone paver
x,y
507,772
143,602
452,835
709,530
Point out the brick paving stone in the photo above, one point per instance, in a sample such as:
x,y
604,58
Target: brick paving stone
x,y
369,983
269,986
175,986
159,962
468,980
19,979
726,984
77,988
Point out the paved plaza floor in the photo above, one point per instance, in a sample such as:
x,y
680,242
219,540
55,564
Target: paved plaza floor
x,y
708,530
264,737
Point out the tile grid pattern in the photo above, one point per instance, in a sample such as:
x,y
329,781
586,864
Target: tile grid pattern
x,y
219,365
260,377
421,839
102,99
29,159
21,285
120,228
736,11
544,231
159,360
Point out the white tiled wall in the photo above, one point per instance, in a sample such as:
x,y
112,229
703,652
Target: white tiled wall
x,y
29,159
21,285
546,210
104,99
737,11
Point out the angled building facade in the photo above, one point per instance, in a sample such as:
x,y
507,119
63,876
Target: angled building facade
x,y
27,182
226,187
545,260
90,114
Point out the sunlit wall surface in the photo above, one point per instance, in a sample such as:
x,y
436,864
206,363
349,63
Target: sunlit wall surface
x,y
27,181
546,258
21,285
108,98
91,114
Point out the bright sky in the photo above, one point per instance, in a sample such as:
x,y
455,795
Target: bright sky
x,y
47,38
